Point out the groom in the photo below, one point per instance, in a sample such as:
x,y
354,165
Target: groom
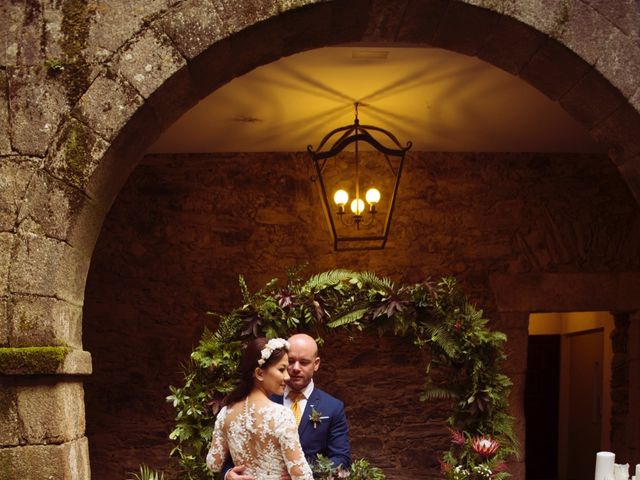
x,y
323,425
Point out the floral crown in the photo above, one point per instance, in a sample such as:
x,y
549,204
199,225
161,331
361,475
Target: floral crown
x,y
270,347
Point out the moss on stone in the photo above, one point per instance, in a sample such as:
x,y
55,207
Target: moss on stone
x,y
31,360
26,323
76,142
76,20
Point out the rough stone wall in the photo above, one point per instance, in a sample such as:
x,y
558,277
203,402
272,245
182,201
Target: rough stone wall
x,y
85,86
625,387
186,226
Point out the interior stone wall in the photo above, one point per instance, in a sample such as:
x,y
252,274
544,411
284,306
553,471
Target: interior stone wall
x,y
185,226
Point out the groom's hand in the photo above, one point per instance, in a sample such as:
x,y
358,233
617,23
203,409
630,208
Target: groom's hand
x,y
237,473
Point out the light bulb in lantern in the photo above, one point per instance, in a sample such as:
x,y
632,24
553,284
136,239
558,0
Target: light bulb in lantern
x,y
372,196
341,197
357,206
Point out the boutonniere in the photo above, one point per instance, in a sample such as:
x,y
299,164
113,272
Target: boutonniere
x,y
316,417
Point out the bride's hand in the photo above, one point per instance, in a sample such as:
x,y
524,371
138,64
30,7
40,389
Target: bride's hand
x,y
285,476
236,473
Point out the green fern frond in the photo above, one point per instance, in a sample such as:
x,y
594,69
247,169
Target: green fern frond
x,y
432,393
372,280
329,278
439,336
348,319
147,474
228,328
244,290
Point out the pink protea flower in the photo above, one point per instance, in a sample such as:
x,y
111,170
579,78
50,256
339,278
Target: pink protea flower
x,y
457,437
485,446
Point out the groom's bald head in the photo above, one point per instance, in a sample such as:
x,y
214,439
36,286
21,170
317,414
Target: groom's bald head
x,y
303,360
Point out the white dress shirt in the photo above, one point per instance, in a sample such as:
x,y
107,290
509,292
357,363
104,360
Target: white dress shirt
x,y
306,393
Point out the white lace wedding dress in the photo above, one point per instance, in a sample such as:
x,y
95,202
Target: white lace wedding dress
x,y
264,439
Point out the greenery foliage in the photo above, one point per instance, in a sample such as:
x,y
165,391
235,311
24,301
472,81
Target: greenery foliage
x,y
464,365
147,473
360,469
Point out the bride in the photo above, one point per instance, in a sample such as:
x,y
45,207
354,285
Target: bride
x,y
258,433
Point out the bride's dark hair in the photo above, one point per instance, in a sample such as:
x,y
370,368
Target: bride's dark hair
x,y
249,362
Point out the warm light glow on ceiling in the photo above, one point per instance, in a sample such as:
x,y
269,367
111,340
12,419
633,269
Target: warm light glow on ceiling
x,y
440,100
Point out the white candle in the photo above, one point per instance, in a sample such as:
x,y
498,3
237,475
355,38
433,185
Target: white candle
x,y
638,471
604,465
621,472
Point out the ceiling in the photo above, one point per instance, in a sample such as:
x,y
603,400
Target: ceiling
x,y
440,100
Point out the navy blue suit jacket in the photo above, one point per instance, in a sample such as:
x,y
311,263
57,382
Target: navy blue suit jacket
x,y
329,437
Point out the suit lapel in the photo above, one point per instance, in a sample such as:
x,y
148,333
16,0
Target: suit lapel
x,y
312,402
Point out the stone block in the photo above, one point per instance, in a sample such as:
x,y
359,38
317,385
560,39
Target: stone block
x,y
465,28
47,267
307,28
635,101
40,321
624,14
4,323
75,154
592,99
50,207
53,35
511,44
33,361
348,24
6,247
237,15
21,36
249,48
37,104
554,69
149,61
193,27
583,30
111,23
422,20
623,68
15,175
50,413
286,5
5,144
546,16
69,461
384,20
10,431
108,105
620,133
630,171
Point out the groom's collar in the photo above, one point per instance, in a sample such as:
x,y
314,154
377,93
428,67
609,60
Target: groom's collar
x,y
306,391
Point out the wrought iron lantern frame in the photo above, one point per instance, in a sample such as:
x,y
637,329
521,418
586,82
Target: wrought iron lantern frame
x,y
335,142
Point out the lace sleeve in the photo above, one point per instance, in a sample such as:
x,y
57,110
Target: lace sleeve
x,y
295,461
219,447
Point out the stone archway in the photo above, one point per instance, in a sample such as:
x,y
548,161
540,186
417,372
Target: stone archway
x,y
67,159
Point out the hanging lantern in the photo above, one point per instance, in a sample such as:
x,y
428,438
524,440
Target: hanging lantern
x,y
348,161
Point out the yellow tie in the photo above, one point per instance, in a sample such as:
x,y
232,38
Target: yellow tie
x,y
295,404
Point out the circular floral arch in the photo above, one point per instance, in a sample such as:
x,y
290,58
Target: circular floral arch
x,y
463,367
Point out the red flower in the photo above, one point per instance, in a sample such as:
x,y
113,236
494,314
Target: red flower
x,y
485,446
457,438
